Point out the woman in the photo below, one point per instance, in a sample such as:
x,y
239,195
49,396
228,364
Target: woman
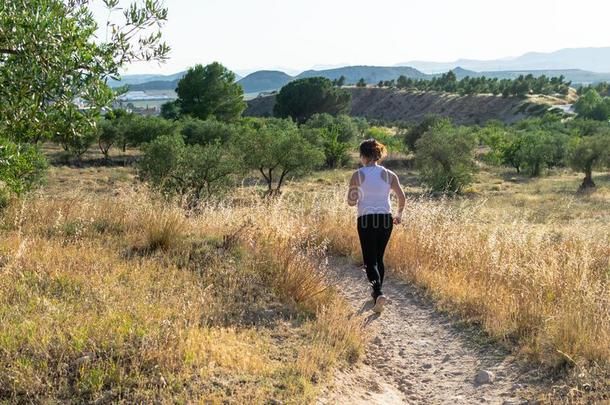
x,y
369,189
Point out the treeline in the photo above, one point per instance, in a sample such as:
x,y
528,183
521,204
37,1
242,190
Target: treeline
x,y
445,153
602,88
448,82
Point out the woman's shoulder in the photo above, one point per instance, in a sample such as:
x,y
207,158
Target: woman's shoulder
x,y
385,169
389,173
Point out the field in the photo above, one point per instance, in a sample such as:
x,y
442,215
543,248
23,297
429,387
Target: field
x,y
110,294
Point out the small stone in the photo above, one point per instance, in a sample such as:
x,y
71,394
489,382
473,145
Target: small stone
x,y
484,377
427,366
446,358
82,360
377,340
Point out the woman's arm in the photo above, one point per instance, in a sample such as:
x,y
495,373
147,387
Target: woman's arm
x,y
352,192
396,187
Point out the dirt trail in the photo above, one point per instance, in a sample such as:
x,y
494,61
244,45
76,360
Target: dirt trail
x,y
417,355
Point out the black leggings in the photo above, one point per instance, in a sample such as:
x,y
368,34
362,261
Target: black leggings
x,y
374,231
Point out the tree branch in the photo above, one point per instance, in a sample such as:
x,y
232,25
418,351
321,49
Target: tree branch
x,y
7,51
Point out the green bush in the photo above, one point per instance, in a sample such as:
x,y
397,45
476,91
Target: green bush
x,y
445,157
170,110
200,132
193,171
495,136
593,106
22,167
335,135
386,137
412,135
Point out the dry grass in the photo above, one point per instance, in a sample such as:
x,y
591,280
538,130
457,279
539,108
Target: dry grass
x,y
543,286
108,295
120,298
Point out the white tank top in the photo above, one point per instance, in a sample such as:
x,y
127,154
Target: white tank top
x,y
374,191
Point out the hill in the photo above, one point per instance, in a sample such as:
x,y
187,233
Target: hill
x,y
264,80
134,81
396,105
371,74
155,85
592,59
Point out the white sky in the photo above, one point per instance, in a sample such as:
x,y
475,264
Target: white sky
x,y
300,34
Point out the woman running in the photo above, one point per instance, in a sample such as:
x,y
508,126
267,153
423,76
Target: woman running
x,y
369,189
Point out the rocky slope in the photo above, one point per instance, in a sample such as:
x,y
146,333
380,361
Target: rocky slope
x,y
396,105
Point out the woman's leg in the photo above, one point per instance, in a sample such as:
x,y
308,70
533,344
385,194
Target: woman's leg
x,y
385,231
368,243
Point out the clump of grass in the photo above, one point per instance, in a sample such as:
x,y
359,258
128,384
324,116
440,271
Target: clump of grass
x,y
164,228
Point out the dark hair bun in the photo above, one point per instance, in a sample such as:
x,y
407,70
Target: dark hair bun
x,y
372,149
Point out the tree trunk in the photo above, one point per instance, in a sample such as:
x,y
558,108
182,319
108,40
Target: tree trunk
x,y
587,182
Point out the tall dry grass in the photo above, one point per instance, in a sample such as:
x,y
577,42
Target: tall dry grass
x,y
544,287
128,299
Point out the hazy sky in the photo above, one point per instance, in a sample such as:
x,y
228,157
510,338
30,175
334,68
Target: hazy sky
x,y
300,34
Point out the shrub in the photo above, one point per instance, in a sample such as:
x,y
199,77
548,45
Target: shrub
x,y
445,157
138,130
196,131
335,135
191,171
593,106
78,145
348,128
385,136
22,167
412,135
493,135
170,110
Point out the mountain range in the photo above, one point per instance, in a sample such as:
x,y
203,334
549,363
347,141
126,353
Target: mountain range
x,y
578,65
591,59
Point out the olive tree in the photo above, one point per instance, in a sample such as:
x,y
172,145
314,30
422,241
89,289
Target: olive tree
x,y
277,148
445,157
54,68
587,153
536,149
50,57
192,171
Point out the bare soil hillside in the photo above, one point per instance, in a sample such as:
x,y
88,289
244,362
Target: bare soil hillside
x,y
398,105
